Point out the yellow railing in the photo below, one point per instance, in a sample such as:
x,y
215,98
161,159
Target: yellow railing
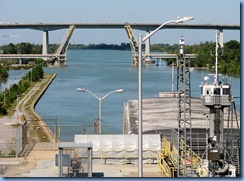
x,y
168,152
163,166
171,153
195,162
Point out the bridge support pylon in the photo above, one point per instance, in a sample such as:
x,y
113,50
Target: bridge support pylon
x,y
60,59
147,50
45,44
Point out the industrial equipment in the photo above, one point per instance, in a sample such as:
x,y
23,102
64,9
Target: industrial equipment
x,y
77,157
222,138
216,97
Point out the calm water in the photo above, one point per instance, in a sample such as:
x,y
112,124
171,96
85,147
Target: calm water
x,y
14,77
102,71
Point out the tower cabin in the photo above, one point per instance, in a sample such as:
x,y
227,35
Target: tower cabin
x,y
216,94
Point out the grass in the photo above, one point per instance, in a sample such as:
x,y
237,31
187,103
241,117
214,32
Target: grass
x,y
26,107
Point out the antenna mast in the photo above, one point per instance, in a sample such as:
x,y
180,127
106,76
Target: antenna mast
x,y
216,58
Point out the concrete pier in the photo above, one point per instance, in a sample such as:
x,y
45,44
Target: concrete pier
x,y
147,48
162,113
45,43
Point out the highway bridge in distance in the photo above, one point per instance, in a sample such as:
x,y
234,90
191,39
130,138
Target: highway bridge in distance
x,y
60,55
139,26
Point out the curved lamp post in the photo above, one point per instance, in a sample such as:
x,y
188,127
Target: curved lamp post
x,y
142,40
100,102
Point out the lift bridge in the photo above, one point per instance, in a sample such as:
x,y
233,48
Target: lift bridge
x,y
58,58
147,55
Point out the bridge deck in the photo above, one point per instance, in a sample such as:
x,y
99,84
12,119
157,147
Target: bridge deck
x,y
5,56
140,26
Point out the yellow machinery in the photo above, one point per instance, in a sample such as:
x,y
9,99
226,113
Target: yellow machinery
x,y
133,44
168,161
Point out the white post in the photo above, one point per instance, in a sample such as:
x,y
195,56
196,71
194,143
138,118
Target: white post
x,y
140,143
60,161
100,115
216,59
172,78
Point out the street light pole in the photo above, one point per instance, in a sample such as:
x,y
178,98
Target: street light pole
x,y
100,114
140,42
140,156
100,102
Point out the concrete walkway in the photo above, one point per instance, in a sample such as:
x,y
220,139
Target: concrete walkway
x,y
41,163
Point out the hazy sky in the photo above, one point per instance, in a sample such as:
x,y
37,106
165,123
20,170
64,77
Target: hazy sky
x,y
114,11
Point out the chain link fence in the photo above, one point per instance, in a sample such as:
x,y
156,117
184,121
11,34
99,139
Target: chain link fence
x,y
20,141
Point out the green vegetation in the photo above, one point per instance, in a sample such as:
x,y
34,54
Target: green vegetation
x,y
3,72
8,96
229,57
103,46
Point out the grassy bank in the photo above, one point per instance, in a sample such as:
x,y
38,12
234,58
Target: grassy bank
x,y
25,106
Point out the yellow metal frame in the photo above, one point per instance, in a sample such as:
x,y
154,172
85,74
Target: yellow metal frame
x,y
171,154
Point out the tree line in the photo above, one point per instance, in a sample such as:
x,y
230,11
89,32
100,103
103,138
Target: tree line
x,y
229,56
8,96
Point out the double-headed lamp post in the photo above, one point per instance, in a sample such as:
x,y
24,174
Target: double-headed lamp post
x,y
100,103
142,40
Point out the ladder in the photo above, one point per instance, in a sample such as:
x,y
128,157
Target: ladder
x,y
184,111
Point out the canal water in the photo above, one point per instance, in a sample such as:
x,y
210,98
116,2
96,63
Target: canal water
x,y
102,71
14,78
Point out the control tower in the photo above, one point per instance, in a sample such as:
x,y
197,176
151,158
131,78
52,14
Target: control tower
x,y
216,96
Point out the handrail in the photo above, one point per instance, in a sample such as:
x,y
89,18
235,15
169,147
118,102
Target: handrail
x,y
170,152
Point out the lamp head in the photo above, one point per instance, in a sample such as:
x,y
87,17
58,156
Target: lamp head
x,y
184,19
81,89
119,90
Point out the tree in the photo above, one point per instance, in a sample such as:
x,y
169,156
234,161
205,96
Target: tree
x,y
3,72
9,49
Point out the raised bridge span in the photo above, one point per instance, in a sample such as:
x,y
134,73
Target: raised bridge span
x,y
60,55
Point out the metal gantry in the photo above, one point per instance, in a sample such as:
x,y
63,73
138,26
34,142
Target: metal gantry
x,y
184,113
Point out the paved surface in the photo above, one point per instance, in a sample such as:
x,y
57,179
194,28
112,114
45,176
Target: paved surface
x,y
162,112
41,163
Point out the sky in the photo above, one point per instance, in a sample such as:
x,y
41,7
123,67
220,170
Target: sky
x,y
112,11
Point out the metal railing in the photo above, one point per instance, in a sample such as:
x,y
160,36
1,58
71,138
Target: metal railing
x,y
170,153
